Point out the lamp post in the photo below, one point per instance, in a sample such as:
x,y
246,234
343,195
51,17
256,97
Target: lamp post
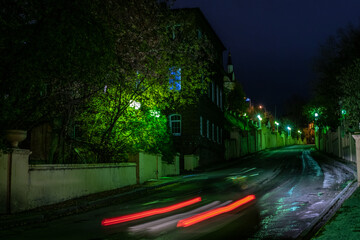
x,y
289,131
277,126
259,117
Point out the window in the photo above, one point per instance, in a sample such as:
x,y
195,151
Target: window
x,y
221,136
221,103
201,126
217,96
175,78
208,129
199,34
213,91
209,90
213,132
176,31
175,124
217,134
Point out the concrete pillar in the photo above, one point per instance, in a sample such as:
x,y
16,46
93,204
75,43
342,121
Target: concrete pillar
x,y
340,153
14,168
351,149
357,143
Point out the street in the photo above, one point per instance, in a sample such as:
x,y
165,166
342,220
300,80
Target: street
x,y
292,186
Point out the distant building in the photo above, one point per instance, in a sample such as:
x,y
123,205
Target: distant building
x,y
229,78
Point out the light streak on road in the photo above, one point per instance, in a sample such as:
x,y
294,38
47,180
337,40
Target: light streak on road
x,y
215,212
169,223
135,216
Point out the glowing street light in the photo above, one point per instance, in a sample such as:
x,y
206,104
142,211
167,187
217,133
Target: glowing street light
x,y
277,126
259,117
316,115
289,131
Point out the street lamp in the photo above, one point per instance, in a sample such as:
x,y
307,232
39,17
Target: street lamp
x,y
277,126
259,117
289,131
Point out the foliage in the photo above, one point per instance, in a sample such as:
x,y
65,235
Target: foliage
x,y
350,98
293,110
53,55
310,110
338,52
57,59
235,99
134,130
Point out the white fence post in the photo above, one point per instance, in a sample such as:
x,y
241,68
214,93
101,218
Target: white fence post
x,y
357,142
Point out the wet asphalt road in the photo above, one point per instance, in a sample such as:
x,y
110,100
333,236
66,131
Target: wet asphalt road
x,y
292,185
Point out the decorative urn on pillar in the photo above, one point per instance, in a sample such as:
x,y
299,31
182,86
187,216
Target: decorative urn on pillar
x,y
14,137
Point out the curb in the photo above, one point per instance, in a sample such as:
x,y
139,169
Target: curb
x,y
327,213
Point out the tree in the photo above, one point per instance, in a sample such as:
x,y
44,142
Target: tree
x,y
338,52
235,99
293,110
350,98
58,58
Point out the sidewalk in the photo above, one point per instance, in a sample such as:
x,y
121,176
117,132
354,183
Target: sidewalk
x,y
345,224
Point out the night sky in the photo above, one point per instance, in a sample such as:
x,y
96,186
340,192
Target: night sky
x,y
273,43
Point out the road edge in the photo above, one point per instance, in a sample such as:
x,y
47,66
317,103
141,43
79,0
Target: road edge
x,y
329,212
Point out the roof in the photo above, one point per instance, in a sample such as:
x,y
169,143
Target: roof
x,y
203,19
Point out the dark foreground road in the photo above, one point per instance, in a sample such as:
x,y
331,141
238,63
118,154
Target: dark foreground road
x,y
293,186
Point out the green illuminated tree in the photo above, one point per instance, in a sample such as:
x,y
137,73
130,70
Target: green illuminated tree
x,y
58,57
155,43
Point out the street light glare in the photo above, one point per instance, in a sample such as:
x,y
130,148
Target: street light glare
x,y
289,128
316,114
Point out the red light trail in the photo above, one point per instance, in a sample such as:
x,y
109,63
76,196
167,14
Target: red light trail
x,y
214,212
135,216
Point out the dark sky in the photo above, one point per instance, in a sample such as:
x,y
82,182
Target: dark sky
x,y
273,42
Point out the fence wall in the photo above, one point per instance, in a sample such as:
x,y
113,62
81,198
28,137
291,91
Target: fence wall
x,y
24,186
242,143
337,143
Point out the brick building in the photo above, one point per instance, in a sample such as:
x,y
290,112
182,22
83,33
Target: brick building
x,y
199,129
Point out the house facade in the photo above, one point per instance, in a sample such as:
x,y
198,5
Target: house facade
x,y
198,129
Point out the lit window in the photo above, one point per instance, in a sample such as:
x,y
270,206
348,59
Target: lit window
x,y
201,126
208,129
213,132
175,124
175,78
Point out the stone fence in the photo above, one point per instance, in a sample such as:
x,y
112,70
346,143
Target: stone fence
x,y
24,186
244,142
